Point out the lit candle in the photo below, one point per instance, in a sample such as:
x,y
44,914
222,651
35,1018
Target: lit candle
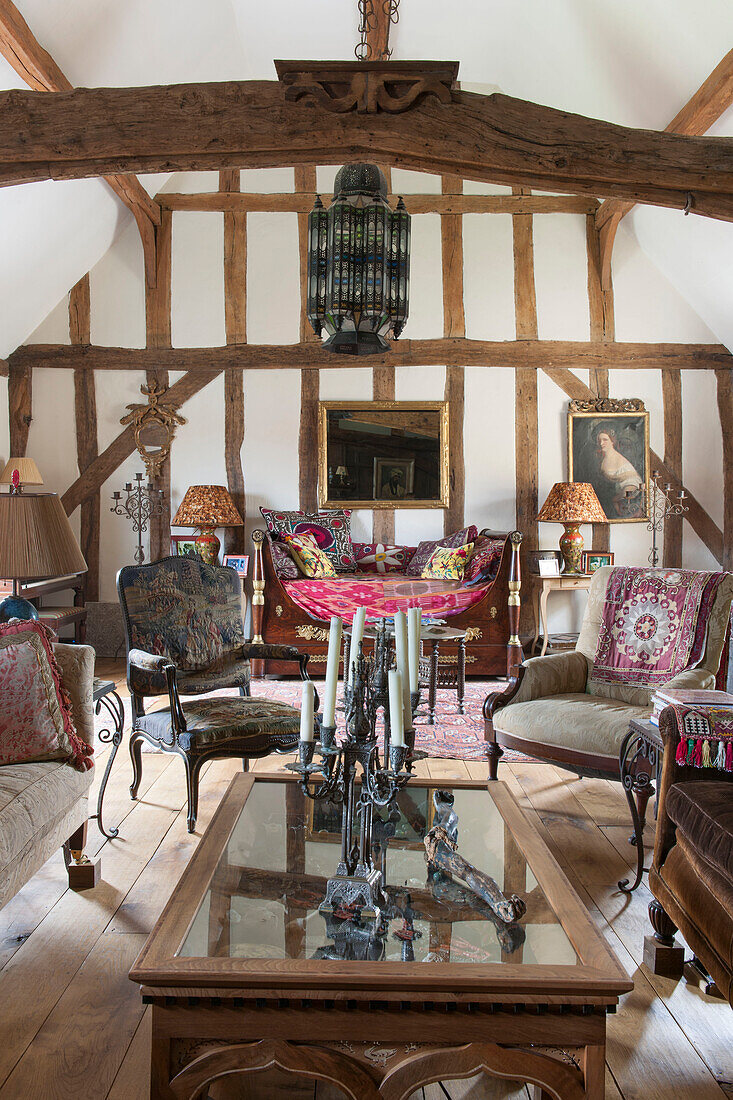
x,y
307,706
414,626
357,633
396,723
332,672
400,642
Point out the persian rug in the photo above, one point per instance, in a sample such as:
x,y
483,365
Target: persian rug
x,y
654,624
454,736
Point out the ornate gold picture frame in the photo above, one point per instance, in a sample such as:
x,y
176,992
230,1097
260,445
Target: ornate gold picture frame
x,y
383,454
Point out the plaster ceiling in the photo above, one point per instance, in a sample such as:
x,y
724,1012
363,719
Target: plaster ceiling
x,y
619,60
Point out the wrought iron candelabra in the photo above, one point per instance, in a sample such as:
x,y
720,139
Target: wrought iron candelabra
x,y
661,507
358,881
141,504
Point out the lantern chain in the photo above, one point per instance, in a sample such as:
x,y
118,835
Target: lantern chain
x,y
367,18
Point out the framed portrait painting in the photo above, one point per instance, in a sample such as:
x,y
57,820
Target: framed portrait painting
x,y
608,447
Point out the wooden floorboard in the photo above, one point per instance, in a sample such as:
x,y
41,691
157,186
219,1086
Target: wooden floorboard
x,y
74,1026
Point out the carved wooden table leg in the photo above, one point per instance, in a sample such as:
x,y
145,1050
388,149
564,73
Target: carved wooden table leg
x,y
433,684
461,687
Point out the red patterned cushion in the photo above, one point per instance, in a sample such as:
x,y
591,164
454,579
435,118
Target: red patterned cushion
x,y
330,530
424,551
484,563
35,711
377,557
285,567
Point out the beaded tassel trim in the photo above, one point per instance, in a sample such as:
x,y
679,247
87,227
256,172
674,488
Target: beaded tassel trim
x,y
712,749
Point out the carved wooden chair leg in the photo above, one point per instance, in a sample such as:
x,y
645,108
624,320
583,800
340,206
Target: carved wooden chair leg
x,y
662,954
136,749
494,754
83,873
193,767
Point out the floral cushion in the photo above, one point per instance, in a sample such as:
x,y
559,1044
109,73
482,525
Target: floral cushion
x,y
377,557
422,555
312,560
285,567
35,710
447,563
331,531
484,562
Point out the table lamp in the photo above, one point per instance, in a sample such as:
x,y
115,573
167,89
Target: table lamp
x,y
28,473
36,542
572,503
207,507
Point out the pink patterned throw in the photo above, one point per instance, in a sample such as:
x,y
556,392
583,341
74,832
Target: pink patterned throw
x,y
35,709
654,624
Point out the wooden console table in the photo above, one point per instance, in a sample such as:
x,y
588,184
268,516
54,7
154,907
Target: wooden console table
x,y
541,589
57,617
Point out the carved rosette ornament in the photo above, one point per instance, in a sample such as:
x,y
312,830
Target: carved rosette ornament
x,y
367,86
154,424
608,405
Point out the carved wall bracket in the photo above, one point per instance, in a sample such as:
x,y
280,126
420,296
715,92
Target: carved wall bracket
x,y
154,424
367,87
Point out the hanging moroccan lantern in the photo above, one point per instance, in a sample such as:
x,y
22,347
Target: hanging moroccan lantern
x,y
358,264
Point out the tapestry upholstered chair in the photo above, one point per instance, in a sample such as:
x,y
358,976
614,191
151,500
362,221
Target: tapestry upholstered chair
x,y
185,636
574,708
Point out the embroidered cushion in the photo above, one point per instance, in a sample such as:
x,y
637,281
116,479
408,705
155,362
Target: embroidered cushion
x,y
35,710
331,531
422,555
377,557
311,559
282,560
483,564
447,563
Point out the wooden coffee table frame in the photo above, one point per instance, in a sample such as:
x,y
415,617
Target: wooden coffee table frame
x,y
217,1016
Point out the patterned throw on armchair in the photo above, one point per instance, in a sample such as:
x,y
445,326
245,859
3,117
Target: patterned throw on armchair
x,y
642,628
184,633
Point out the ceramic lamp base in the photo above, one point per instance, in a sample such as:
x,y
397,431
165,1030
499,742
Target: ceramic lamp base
x,y
571,548
15,607
207,545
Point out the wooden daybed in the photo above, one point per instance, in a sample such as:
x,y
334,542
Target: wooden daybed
x,y
492,622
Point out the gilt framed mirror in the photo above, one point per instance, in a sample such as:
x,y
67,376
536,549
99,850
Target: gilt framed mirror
x,y
383,454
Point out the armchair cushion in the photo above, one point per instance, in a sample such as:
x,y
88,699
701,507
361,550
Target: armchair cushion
x,y
576,722
258,724
703,812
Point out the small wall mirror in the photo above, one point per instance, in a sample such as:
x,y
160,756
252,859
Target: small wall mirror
x,y
383,454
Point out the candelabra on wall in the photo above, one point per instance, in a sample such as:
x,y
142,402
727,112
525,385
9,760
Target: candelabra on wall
x,y
661,507
141,504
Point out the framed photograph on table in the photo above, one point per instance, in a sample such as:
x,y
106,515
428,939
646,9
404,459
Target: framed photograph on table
x,y
594,559
184,546
608,448
548,567
240,562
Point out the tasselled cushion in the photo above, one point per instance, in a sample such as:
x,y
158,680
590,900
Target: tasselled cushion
x,y
330,530
422,555
310,558
378,557
35,710
483,564
447,563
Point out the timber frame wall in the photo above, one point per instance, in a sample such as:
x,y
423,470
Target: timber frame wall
x,y
527,355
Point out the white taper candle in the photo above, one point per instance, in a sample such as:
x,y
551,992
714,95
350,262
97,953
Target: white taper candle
x,y
357,633
400,642
396,724
307,706
332,672
414,620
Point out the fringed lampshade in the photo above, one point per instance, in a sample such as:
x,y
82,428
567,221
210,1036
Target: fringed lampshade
x,y
572,503
207,507
36,542
28,472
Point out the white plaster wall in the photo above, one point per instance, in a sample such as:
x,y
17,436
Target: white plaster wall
x,y
647,309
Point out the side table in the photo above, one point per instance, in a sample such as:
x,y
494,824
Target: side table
x,y
641,755
105,697
541,588
451,673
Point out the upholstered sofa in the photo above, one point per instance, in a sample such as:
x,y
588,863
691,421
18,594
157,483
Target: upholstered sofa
x,y
43,806
296,611
691,875
555,710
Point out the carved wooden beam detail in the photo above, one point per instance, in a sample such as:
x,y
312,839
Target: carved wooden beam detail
x,y
301,202
88,132
708,103
40,72
367,86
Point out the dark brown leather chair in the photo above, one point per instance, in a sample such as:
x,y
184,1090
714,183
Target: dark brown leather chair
x,y
691,875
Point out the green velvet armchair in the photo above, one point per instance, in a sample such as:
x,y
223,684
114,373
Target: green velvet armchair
x,y
555,711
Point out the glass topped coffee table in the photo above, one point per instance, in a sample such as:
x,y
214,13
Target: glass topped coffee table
x,y
244,971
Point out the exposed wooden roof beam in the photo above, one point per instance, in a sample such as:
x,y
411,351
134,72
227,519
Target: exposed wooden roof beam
x,y
91,132
708,103
38,69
